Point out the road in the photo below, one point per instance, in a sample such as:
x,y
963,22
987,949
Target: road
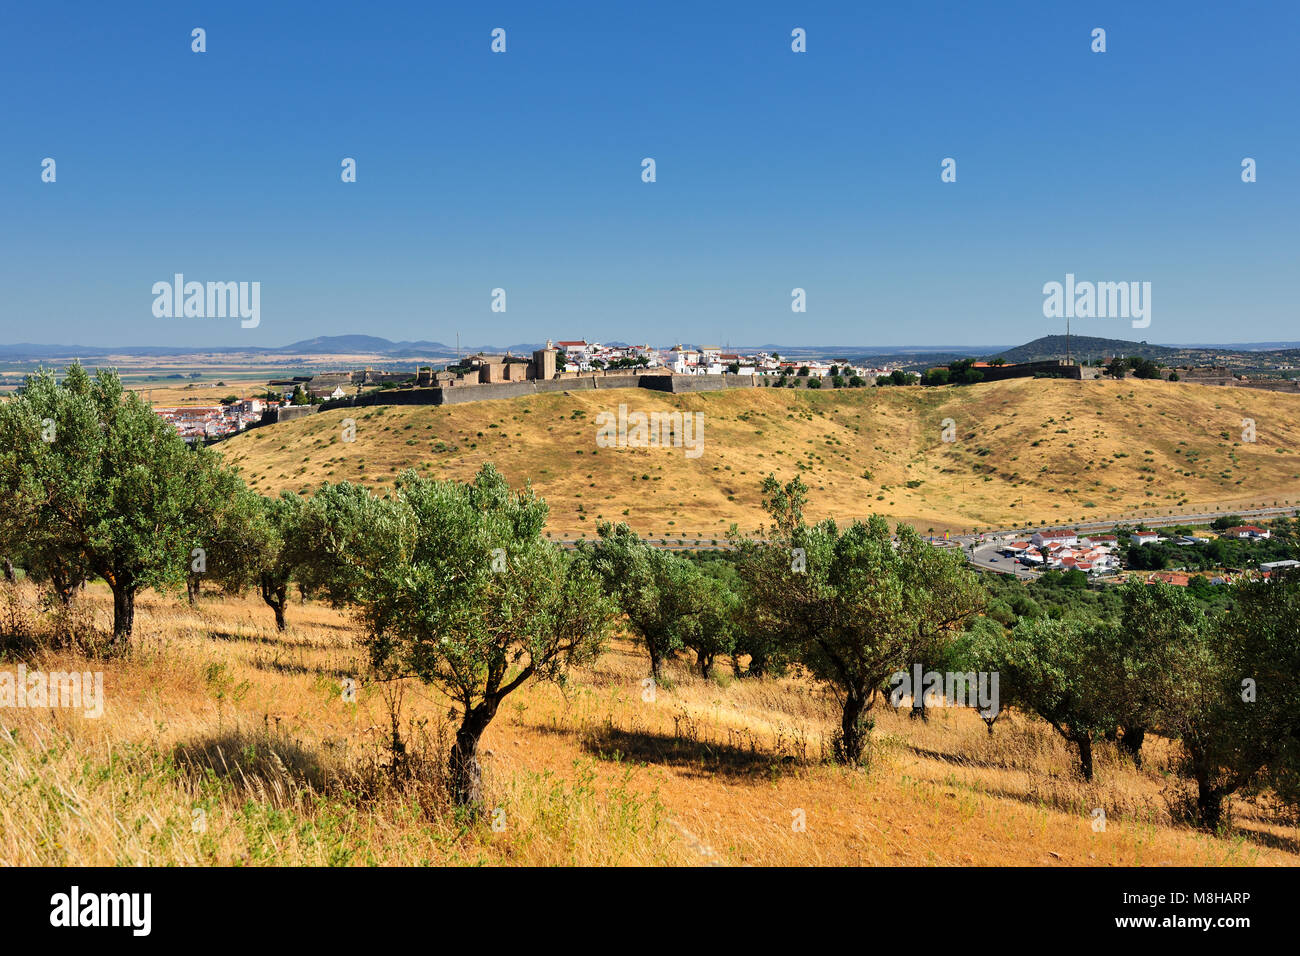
x,y
981,549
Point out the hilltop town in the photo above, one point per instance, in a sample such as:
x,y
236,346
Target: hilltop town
x,y
580,364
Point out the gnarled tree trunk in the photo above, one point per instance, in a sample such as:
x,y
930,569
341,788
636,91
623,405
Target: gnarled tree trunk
x,y
276,596
853,733
466,771
1083,740
123,611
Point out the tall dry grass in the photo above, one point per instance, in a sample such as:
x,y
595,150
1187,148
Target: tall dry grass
x,y
226,742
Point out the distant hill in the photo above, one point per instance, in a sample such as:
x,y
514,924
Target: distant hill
x,y
1053,347
1258,357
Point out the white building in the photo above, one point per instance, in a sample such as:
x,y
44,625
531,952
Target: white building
x,y
1055,536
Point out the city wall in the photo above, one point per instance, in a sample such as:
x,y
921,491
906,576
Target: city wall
x,y
460,394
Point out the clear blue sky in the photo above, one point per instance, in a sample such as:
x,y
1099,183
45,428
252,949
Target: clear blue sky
x,y
523,170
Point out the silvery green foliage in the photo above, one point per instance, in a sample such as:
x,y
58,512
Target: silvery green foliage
x,y
115,494
434,608
669,604
865,605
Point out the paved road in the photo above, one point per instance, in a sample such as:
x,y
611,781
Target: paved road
x,y
986,556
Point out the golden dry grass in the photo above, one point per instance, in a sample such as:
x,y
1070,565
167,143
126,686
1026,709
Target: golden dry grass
x,y
216,711
1028,452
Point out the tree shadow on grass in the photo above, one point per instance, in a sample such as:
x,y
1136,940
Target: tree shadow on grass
x,y
258,764
1262,837
696,757
960,760
238,637
281,639
279,666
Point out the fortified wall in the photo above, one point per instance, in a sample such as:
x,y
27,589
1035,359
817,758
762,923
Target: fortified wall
x,y
999,373
1273,385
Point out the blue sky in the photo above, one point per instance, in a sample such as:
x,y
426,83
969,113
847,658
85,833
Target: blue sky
x,y
774,169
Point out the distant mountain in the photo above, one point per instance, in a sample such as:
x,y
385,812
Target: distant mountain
x,y
344,344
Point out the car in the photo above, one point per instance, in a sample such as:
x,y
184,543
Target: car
x,y
992,559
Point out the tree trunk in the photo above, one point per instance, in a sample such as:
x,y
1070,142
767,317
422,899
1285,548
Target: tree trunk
x,y
705,661
276,596
1209,800
757,665
1209,805
123,611
656,662
852,733
192,590
918,707
9,571
466,771
62,588
918,701
1131,743
1084,742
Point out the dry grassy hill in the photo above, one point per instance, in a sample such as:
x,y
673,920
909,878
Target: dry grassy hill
x,y
1027,451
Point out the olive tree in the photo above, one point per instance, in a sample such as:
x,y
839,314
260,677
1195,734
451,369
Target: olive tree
x,y
1158,623
1231,698
662,594
475,602
280,552
943,595
1065,672
106,483
858,607
710,631
343,535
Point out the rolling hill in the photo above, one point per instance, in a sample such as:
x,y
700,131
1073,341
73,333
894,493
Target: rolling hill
x,y
1027,452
